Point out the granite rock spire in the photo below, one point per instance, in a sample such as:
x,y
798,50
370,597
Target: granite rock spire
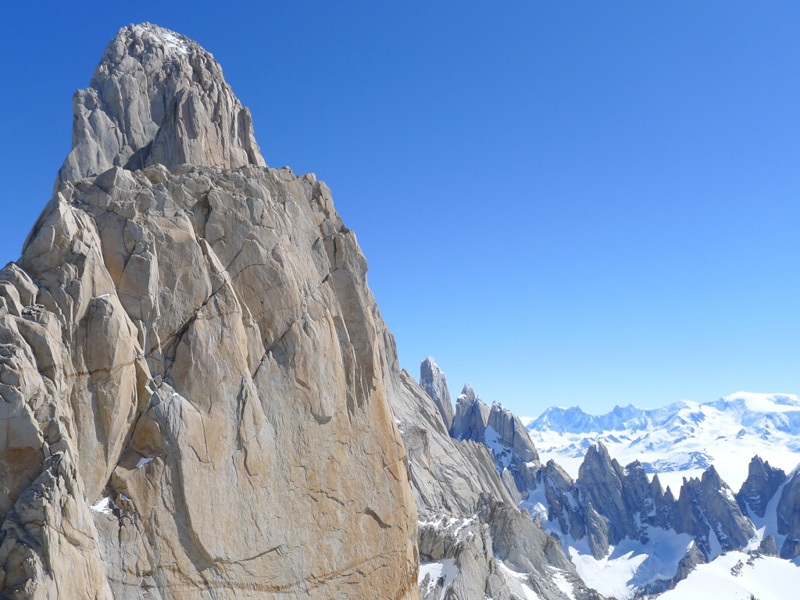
x,y
157,97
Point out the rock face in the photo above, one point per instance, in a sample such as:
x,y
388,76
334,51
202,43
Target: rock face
x,y
503,435
497,427
434,383
449,476
606,504
192,367
473,540
610,506
157,98
761,484
609,503
788,517
772,500
707,510
471,417
509,432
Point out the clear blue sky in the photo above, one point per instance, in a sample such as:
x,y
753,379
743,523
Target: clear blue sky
x,y
588,203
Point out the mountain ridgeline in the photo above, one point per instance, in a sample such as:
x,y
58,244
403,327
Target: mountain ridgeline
x,y
610,506
200,399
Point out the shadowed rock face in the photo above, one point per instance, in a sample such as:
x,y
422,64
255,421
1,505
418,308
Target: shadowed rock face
x,y
512,434
788,514
623,496
192,367
497,427
609,503
157,98
471,417
707,510
761,484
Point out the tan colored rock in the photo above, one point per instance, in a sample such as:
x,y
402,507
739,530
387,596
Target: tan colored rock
x,y
65,563
196,356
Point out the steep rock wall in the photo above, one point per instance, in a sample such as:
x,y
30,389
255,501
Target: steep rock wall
x,y
193,385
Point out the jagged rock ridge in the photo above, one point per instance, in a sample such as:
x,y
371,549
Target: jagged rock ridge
x,y
473,539
192,366
609,507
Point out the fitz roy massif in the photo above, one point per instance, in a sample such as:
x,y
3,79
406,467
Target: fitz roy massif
x,y
200,400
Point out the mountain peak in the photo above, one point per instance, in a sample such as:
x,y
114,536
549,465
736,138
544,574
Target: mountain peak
x,y
157,97
434,382
169,42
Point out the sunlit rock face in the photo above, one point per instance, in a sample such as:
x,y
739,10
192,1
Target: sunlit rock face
x,y
192,367
434,383
474,541
157,97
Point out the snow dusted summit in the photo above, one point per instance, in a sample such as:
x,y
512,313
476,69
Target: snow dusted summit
x,y
157,97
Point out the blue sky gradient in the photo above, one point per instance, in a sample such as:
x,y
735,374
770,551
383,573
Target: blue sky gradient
x,y
562,202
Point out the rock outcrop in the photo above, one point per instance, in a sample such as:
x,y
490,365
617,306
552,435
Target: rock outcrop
x,y
496,427
434,383
474,541
157,97
761,484
192,367
623,496
463,547
788,516
471,417
510,433
772,500
503,434
448,476
610,505
707,510
606,504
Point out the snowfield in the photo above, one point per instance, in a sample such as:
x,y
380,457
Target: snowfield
x,y
631,565
444,570
518,583
737,575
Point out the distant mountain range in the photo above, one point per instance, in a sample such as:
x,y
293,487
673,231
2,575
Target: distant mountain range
x,y
733,495
679,440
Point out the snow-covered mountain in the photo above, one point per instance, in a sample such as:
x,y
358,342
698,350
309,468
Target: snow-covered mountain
x,y
622,532
681,440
